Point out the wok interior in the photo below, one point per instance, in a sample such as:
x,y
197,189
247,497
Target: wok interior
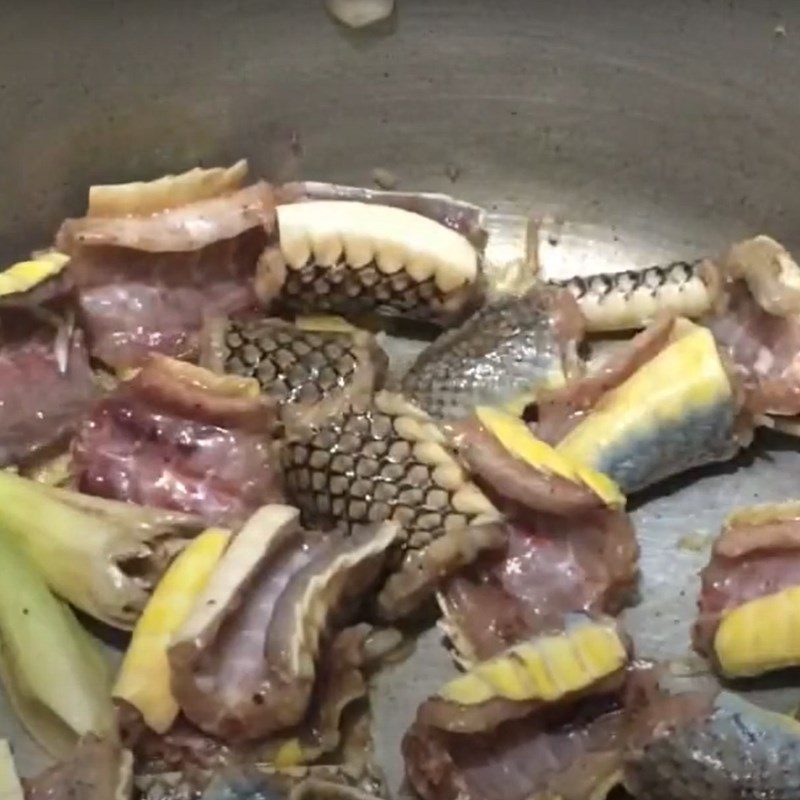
x,y
644,134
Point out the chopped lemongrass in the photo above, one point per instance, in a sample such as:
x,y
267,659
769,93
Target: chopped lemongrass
x,y
103,556
54,674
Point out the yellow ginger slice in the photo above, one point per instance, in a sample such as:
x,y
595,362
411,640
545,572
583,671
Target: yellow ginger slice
x,y
760,636
144,677
516,437
545,668
685,376
25,275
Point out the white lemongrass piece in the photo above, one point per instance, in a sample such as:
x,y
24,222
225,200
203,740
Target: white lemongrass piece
x,y
53,672
359,13
393,237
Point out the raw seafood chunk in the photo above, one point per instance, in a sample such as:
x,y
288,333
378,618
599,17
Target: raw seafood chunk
x,y
180,437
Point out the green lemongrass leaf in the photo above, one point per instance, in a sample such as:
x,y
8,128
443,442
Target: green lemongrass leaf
x,y
53,671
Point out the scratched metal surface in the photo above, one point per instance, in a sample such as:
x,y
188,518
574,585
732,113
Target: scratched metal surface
x,y
639,135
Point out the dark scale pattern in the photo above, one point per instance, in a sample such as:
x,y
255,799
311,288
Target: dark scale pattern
x,y
358,470
341,289
731,755
289,363
171,786
679,273
508,348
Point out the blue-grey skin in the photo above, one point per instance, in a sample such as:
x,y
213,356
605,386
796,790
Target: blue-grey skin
x,y
737,752
318,782
507,349
233,784
702,436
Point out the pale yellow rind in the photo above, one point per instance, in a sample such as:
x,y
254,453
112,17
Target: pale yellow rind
x,y
144,676
194,375
328,323
169,191
516,437
544,669
766,512
25,275
760,636
359,233
290,754
128,373
685,376
321,595
771,274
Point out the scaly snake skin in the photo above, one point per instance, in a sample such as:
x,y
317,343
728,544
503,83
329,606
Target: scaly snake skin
x,y
382,460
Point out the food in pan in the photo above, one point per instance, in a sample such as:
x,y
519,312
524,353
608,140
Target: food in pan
x,y
98,769
248,482
144,679
103,556
540,720
350,257
302,364
47,384
180,437
700,745
54,674
633,299
243,663
150,260
756,322
570,546
679,409
749,600
382,458
503,355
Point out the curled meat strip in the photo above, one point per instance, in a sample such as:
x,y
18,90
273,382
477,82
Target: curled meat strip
x,y
145,282
244,663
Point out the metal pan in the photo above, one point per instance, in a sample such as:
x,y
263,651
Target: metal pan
x,y
643,133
